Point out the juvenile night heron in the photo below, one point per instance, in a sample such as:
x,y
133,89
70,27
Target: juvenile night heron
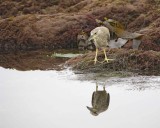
x,y
100,101
101,38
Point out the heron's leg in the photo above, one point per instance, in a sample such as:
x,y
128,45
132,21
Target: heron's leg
x,y
104,88
106,59
96,86
95,59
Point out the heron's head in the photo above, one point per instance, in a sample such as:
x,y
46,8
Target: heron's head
x,y
93,34
93,111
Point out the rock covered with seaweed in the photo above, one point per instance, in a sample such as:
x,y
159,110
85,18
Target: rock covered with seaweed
x,y
30,25
138,61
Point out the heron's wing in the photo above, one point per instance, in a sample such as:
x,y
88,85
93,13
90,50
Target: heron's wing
x,y
108,99
108,37
93,98
96,98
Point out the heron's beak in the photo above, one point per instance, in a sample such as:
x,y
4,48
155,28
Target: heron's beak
x,y
91,38
89,108
92,111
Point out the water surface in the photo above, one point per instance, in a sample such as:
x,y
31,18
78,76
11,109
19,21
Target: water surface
x,y
58,99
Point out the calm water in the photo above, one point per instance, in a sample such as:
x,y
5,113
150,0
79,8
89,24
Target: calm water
x,y
58,99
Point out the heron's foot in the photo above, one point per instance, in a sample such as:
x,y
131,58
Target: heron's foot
x,y
95,61
107,60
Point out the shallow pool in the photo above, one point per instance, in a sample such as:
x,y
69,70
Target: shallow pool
x,y
58,99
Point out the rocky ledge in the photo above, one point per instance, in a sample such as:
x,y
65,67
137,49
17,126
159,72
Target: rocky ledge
x,y
138,61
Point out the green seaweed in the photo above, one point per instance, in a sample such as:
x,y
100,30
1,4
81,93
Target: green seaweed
x,y
68,55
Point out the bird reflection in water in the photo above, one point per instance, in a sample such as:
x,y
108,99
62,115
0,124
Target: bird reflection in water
x,y
100,101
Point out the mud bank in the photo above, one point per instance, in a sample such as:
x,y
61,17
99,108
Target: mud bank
x,y
31,25
31,60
